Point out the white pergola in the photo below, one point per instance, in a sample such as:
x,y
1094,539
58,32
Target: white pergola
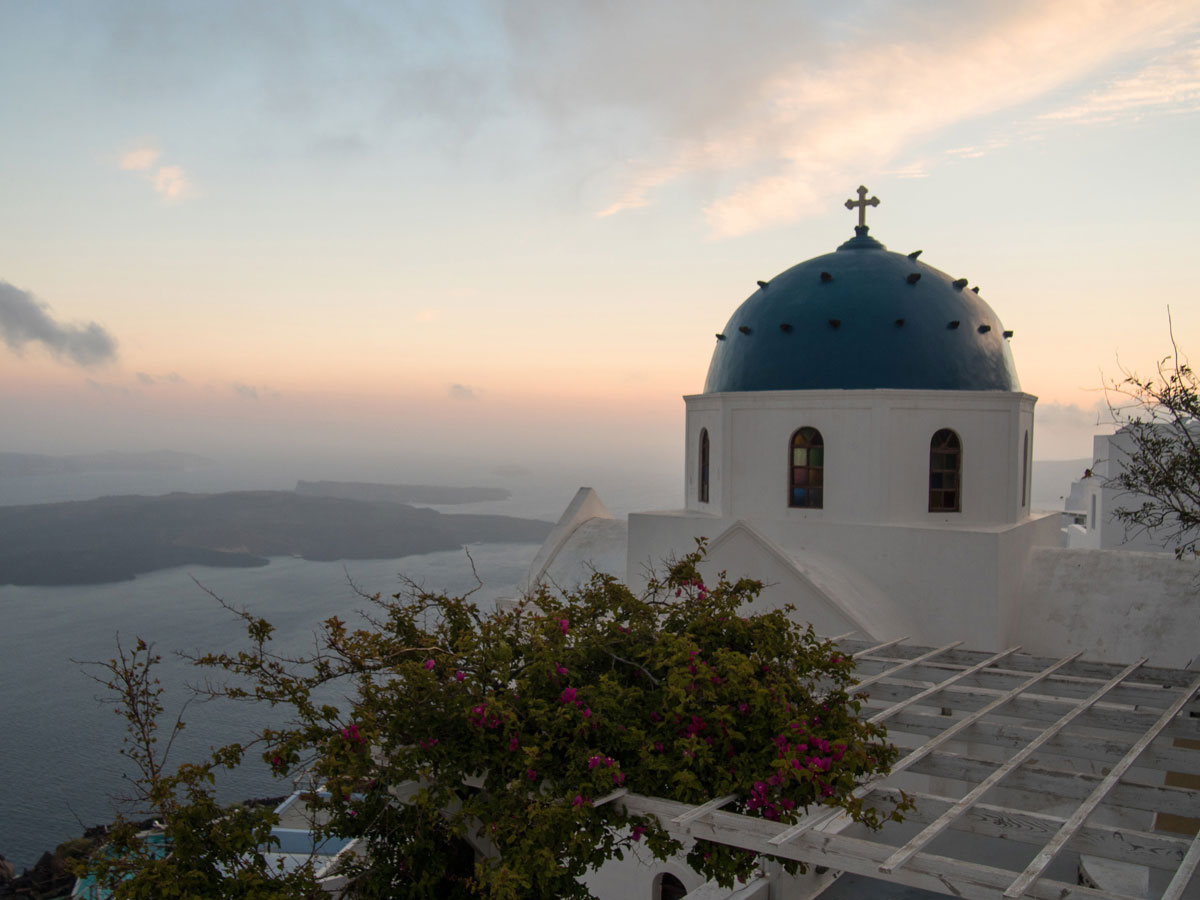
x,y
1027,773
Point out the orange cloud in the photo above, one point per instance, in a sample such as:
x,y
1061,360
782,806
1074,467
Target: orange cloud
x,y
171,181
1169,84
140,159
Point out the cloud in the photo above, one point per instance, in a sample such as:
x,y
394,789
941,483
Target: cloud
x,y
245,391
169,181
425,315
462,392
1169,84
790,133
911,170
24,319
144,378
139,160
1072,415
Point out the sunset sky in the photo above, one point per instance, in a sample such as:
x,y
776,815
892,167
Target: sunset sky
x,y
510,229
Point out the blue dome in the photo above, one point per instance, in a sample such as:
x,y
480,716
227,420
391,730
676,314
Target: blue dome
x,y
862,318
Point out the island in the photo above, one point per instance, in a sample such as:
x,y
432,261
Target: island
x,y
117,538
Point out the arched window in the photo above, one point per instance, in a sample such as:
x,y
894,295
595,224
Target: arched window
x,y
1025,472
668,887
945,472
704,465
808,470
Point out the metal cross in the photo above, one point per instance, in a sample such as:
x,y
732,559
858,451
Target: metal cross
x,y
862,203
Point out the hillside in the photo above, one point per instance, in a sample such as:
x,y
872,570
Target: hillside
x,y
117,538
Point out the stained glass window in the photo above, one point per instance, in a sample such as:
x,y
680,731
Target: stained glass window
x,y
1025,472
807,483
945,472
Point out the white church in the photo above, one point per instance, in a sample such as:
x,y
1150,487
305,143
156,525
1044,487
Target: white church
x,y
862,446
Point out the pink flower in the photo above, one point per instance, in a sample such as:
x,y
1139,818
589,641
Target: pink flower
x,y
586,713
618,777
568,696
560,669
513,743
565,625
276,760
531,774
459,676
429,664
578,801
638,831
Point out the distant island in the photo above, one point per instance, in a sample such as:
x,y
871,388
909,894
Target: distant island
x,y
435,494
117,538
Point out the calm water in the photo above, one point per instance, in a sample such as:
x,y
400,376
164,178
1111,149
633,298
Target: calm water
x,y
59,762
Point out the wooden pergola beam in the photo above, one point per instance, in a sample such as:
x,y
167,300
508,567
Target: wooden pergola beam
x,y
1039,863
1025,664
997,775
1142,848
1161,755
1062,785
932,670
943,875
1034,708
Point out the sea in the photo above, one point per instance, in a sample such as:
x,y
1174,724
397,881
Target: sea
x,y
61,769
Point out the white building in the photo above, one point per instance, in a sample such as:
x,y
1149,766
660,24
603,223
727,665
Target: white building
x,y
863,447
1093,501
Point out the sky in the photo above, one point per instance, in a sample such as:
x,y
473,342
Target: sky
x,y
497,232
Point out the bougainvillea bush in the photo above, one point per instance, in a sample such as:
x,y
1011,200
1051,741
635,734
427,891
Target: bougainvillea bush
x,y
507,731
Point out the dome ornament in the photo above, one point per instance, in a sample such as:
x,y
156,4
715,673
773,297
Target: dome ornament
x,y
861,205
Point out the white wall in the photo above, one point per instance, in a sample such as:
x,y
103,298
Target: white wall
x,y
876,454
952,583
1114,606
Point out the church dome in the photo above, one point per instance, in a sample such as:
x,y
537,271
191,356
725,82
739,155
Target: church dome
x,y
863,318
